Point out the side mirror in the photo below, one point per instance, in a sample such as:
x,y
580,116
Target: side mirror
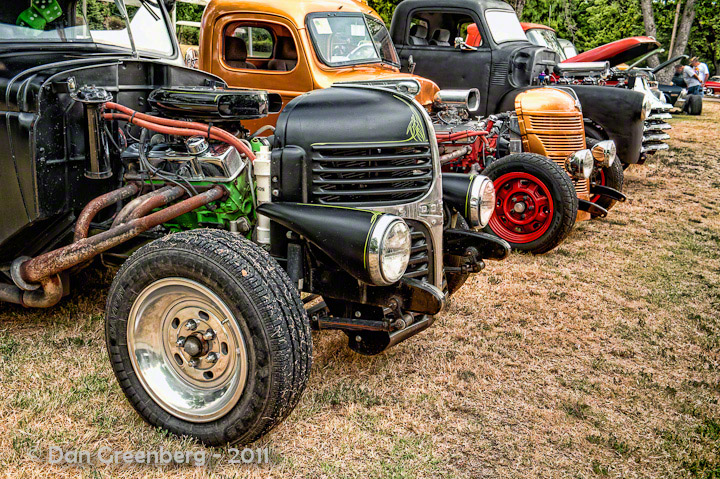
x,y
463,46
191,58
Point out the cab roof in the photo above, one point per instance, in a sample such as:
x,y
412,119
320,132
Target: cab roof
x,y
296,10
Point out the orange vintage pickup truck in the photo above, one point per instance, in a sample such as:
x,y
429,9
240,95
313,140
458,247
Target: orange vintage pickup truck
x,y
291,48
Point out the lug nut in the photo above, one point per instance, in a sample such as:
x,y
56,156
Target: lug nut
x,y
191,325
193,363
209,335
180,342
212,358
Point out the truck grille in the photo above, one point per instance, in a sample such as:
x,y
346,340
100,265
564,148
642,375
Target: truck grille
x,y
559,135
582,188
420,263
556,122
559,147
371,175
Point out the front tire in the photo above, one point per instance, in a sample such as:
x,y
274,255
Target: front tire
x,y
208,337
536,205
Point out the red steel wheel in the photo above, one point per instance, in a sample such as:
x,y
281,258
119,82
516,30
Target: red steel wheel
x,y
536,203
599,178
524,208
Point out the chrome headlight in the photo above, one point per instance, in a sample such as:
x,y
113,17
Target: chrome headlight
x,y
480,203
605,153
580,164
646,108
388,250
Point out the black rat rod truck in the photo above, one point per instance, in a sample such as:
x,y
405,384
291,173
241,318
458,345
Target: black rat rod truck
x,y
481,44
108,150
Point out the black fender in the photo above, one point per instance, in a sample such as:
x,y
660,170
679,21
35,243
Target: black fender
x,y
458,241
617,110
341,233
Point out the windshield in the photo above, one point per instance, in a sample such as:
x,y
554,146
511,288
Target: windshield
x,y
88,21
504,26
546,38
351,39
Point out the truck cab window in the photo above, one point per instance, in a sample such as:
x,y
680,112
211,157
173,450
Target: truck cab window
x,y
440,29
254,46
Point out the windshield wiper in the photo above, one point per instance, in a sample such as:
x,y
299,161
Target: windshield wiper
x,y
120,4
147,5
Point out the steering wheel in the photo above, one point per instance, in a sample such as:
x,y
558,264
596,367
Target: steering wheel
x,y
358,53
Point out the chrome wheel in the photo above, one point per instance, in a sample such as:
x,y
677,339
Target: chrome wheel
x,y
187,349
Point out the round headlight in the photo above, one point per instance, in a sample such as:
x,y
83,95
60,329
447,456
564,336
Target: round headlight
x,y
480,202
646,107
388,250
580,164
605,153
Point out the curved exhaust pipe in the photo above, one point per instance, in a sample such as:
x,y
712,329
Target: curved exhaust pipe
x,y
462,99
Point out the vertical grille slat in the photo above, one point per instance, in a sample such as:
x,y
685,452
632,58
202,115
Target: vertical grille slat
x,y
377,175
420,253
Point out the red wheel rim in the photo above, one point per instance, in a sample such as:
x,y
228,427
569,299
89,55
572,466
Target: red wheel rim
x,y
524,208
598,178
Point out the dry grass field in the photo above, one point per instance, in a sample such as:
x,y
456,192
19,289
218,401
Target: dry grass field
x,y
600,359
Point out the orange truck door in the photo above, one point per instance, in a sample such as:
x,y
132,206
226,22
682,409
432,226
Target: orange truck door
x,y
251,50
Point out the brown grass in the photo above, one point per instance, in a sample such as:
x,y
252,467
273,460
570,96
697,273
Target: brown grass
x,y
598,359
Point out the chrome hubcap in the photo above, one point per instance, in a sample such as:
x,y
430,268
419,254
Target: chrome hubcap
x,y
519,207
187,349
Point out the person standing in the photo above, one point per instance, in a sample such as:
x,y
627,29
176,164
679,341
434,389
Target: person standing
x,y
702,71
692,79
677,78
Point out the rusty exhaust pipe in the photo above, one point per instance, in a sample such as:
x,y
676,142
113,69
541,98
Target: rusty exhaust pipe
x,y
82,227
51,263
47,295
130,207
160,198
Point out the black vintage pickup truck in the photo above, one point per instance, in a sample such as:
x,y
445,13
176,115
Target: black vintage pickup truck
x,y
431,39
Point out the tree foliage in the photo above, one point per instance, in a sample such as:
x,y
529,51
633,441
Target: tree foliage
x,y
588,23
591,23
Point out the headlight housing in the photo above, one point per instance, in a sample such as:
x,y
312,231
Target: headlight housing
x,y
646,107
388,250
580,164
480,203
605,153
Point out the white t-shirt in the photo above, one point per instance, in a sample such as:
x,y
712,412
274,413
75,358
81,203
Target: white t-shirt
x,y
689,76
702,71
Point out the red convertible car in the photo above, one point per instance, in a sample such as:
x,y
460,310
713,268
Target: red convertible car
x,y
615,53
712,86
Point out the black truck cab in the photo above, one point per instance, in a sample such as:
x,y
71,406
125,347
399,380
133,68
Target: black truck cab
x,y
481,44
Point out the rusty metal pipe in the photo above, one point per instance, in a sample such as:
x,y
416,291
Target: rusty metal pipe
x,y
53,262
156,201
82,226
454,155
49,294
9,293
130,207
